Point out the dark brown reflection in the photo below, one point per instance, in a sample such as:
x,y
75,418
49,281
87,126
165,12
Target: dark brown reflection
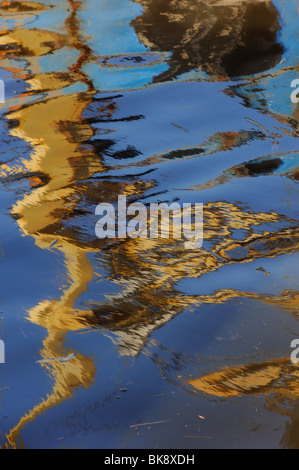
x,y
221,37
266,165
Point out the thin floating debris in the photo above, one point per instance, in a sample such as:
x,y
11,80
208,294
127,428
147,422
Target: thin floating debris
x,y
260,268
179,127
23,333
148,424
67,358
258,125
60,359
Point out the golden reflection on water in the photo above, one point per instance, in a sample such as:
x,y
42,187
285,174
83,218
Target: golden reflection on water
x,y
276,379
52,150
147,269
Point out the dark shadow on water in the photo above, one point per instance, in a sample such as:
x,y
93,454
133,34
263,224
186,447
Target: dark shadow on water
x,y
220,38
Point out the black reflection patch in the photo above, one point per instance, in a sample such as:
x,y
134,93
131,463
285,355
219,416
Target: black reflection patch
x,y
181,153
130,152
222,38
263,167
124,119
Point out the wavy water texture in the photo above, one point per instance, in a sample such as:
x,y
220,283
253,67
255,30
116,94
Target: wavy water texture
x,y
158,101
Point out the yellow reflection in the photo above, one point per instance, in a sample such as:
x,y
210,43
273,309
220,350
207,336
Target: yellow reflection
x,y
48,126
276,379
247,379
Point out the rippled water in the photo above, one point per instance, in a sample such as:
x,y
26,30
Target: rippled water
x,y
139,343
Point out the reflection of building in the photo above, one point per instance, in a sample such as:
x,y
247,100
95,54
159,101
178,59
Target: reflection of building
x,y
226,38
276,379
49,173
